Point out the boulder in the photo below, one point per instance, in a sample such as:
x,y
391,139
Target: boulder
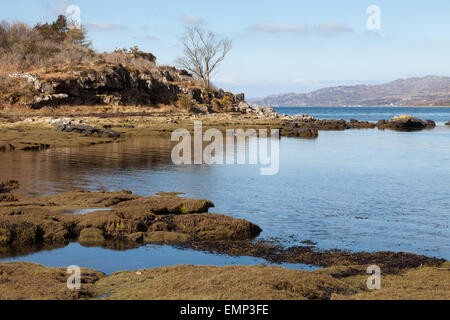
x,y
68,125
304,118
243,107
52,100
298,132
268,112
307,122
265,112
197,109
240,97
405,123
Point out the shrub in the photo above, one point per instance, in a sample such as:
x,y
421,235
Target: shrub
x,y
23,48
186,102
132,58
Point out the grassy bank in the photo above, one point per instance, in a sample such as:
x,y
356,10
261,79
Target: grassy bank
x,y
30,281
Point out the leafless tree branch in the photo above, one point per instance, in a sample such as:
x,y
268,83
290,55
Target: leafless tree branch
x,y
203,52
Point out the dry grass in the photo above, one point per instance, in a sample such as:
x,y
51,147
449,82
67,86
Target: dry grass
x,y
424,283
30,281
222,283
23,48
27,281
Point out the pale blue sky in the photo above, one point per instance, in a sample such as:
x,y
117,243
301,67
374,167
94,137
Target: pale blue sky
x,y
279,46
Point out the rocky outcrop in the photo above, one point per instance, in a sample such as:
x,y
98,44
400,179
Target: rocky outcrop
x,y
448,123
308,122
166,218
122,85
69,125
406,123
296,131
244,108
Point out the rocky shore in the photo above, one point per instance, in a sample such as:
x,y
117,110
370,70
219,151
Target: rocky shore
x,y
167,218
117,216
40,132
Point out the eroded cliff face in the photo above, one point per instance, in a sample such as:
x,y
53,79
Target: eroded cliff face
x,y
120,85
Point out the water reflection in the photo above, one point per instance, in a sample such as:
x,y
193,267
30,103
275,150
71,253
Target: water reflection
x,y
146,257
62,169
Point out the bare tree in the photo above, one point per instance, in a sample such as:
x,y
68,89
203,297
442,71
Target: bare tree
x,y
203,52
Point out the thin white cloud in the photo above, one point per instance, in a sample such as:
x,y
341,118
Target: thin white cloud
x,y
271,27
150,38
325,29
191,19
332,28
104,26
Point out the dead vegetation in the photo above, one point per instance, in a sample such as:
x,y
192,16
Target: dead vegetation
x,y
27,281
23,48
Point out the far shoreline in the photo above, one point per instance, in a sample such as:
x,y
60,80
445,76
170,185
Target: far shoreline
x,y
394,107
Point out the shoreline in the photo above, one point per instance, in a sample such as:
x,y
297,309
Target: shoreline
x,y
392,107
38,130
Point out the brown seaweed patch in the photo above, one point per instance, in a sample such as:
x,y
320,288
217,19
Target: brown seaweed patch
x,y
389,262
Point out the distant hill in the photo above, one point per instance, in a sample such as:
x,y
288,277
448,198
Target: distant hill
x,y
425,91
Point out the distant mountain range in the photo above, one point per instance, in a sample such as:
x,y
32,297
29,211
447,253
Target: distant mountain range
x,y
425,91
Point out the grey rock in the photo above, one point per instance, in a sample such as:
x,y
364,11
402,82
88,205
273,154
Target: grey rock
x,y
406,123
68,125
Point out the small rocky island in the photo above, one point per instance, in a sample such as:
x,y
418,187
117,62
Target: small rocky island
x,y
117,216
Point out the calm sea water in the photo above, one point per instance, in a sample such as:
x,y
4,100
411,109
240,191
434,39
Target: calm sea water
x,y
439,115
354,190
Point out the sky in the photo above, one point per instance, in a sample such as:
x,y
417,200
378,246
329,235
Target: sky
x,y
278,46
